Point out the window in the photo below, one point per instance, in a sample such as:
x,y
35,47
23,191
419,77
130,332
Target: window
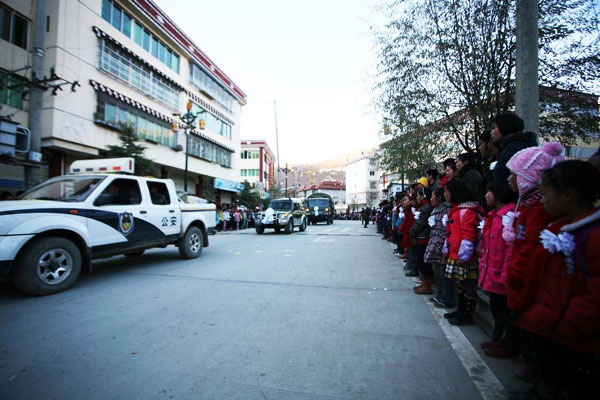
x,y
116,113
146,40
372,173
216,125
207,84
120,64
372,185
11,92
206,150
126,29
137,33
13,28
120,192
115,19
122,21
154,46
159,194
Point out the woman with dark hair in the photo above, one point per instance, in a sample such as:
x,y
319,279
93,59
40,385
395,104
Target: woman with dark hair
x,y
450,171
508,136
468,173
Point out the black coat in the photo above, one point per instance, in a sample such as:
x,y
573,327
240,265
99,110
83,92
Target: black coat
x,y
509,145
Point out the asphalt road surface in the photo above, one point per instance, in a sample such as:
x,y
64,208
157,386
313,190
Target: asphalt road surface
x,y
324,314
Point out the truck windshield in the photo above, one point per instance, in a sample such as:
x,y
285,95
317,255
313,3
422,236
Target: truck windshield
x,y
69,188
281,205
321,203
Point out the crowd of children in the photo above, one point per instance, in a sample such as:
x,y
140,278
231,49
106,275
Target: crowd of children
x,y
525,229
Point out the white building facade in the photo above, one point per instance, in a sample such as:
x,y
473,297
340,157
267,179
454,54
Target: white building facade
x,y
337,191
135,67
363,182
257,164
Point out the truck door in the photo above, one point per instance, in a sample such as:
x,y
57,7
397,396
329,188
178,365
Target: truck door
x,y
163,210
120,206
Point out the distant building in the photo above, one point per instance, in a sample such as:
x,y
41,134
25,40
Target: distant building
x,y
335,189
257,164
363,182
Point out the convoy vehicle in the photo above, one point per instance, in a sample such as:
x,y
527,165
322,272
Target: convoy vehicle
x,y
284,213
320,208
59,226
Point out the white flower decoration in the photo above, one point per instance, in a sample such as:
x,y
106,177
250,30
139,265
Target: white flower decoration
x,y
445,220
417,214
413,210
509,218
563,243
481,225
431,221
493,165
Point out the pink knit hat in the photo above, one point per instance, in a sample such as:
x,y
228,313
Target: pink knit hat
x,y
528,164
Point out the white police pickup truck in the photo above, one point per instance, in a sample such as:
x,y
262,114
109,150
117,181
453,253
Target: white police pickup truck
x,y
94,212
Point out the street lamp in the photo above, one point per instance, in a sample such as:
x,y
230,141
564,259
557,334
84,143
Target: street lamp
x,y
188,119
285,170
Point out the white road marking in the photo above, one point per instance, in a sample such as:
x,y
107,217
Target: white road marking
x,y
323,239
483,378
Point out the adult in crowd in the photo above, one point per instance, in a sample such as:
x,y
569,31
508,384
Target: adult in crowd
x,y
507,134
450,169
432,179
467,172
489,153
365,214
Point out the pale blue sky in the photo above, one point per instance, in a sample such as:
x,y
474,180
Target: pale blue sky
x,y
314,57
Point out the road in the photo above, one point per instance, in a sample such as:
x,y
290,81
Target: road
x,y
324,314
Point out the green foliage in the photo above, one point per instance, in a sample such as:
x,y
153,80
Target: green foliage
x,y
130,148
249,196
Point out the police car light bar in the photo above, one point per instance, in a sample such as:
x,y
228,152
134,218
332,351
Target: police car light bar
x,y
107,165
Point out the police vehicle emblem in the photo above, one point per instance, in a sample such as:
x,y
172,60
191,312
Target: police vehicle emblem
x,y
125,223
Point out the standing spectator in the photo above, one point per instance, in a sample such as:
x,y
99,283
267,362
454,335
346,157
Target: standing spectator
x,y
565,311
237,216
468,173
433,253
507,134
419,234
450,169
432,179
463,235
489,153
495,258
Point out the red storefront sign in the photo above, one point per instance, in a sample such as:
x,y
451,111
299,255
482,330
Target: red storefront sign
x,y
271,175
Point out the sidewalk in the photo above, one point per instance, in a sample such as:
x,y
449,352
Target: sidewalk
x,y
503,369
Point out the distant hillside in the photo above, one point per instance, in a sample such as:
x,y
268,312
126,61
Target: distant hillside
x,y
332,169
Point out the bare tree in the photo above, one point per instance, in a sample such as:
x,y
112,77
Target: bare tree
x,y
446,67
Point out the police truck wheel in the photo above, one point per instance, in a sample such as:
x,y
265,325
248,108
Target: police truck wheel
x,y
191,244
47,265
260,229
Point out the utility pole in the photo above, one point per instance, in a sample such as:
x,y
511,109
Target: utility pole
x,y
527,86
277,142
32,170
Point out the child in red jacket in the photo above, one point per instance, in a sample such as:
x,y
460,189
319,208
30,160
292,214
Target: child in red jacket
x,y
565,310
461,241
495,257
522,227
